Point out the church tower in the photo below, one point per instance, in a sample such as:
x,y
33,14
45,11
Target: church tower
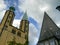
x,y
24,25
7,19
8,32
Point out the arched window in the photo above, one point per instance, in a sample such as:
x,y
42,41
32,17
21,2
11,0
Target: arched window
x,y
46,43
41,44
19,34
52,42
13,31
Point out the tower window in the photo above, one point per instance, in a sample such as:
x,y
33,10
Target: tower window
x,y
8,20
26,25
19,34
13,31
9,16
26,29
26,36
58,33
5,27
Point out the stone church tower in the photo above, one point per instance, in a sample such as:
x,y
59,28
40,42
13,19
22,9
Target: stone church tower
x,y
9,32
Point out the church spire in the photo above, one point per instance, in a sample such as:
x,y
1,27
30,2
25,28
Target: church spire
x,y
24,25
25,17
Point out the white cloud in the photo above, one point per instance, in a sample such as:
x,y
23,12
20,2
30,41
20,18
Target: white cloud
x,y
34,8
1,14
16,23
2,6
44,8
33,35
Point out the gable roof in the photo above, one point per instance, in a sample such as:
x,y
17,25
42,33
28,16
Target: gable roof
x,y
48,29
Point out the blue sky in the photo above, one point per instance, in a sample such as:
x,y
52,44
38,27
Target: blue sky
x,y
35,11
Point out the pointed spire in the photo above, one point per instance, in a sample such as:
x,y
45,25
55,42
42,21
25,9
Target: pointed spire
x,y
25,17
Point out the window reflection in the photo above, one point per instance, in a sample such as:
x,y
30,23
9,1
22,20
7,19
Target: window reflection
x,y
46,43
52,42
41,43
